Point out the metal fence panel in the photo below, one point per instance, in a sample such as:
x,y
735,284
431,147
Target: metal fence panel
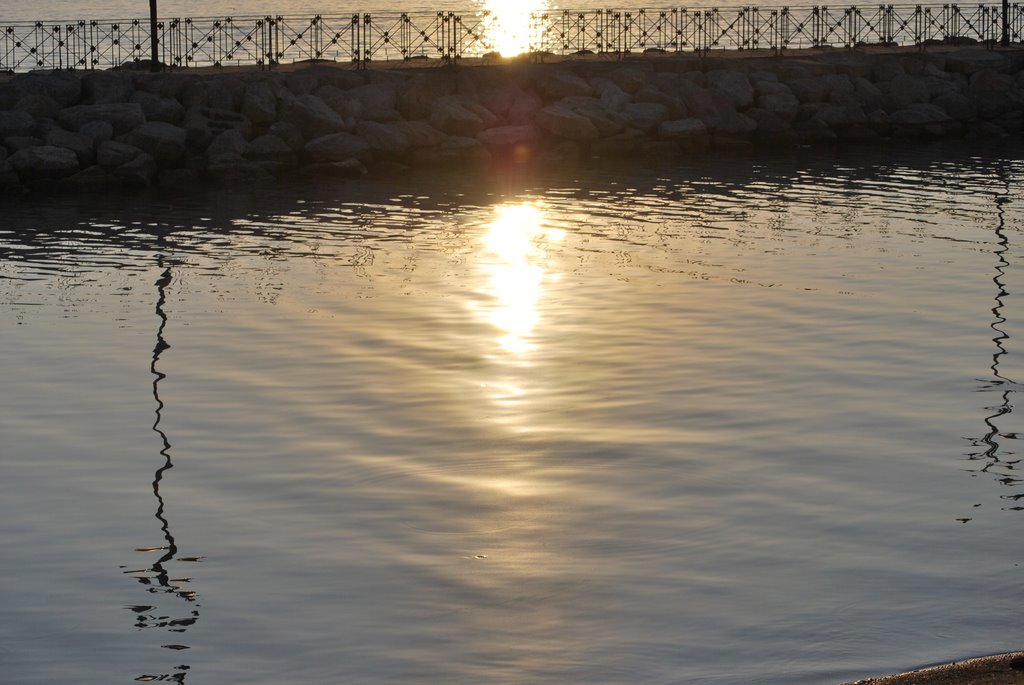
x,y
362,38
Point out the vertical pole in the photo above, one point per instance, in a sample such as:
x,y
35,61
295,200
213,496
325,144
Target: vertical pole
x,y
154,62
1005,42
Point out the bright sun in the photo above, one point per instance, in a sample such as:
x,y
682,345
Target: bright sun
x,y
508,24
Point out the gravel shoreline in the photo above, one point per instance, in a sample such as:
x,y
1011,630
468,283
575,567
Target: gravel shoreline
x,y
999,669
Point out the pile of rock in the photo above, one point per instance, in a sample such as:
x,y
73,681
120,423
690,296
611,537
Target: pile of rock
x,y
123,128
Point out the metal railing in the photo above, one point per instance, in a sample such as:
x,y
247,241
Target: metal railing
x,y
362,38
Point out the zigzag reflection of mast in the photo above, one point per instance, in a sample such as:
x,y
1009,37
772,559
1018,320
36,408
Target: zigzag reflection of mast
x,y
991,440
160,580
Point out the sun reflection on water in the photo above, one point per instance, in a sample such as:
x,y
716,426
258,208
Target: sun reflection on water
x,y
507,24
514,244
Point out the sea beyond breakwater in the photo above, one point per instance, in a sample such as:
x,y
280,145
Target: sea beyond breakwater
x,y
101,129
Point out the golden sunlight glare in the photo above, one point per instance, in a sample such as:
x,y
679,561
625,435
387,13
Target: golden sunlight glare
x,y
514,243
508,24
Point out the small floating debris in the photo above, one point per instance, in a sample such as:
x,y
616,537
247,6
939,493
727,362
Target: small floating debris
x,y
175,647
149,549
964,520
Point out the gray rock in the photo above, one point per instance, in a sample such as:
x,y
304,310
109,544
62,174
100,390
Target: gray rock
x,y
388,139
64,87
972,61
339,78
706,105
40,106
111,154
158,108
767,87
957,106
734,124
106,87
887,68
289,134
452,115
138,172
820,88
378,101
651,94
839,117
9,179
921,119
524,108
203,124
683,130
734,85
80,144
226,93
341,101
784,105
44,161
97,131
164,142
815,132
312,116
259,104
866,94
498,96
612,96
607,123
416,100
193,94
336,147
907,90
629,79
985,130
645,116
555,83
231,169
92,178
303,83
563,122
230,142
760,78
18,143
772,130
270,148
123,117
18,123
420,133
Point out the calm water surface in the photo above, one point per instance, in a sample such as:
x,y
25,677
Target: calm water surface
x,y
720,424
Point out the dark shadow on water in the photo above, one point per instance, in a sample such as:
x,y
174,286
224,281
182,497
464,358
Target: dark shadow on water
x,y
181,610
996,460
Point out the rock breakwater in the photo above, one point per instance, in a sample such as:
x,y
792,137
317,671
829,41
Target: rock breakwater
x,y
95,130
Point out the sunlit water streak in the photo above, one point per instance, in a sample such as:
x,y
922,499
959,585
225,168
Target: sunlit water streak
x,y
734,422
508,24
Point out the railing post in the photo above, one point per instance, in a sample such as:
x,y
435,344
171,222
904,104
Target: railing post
x,y
365,27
